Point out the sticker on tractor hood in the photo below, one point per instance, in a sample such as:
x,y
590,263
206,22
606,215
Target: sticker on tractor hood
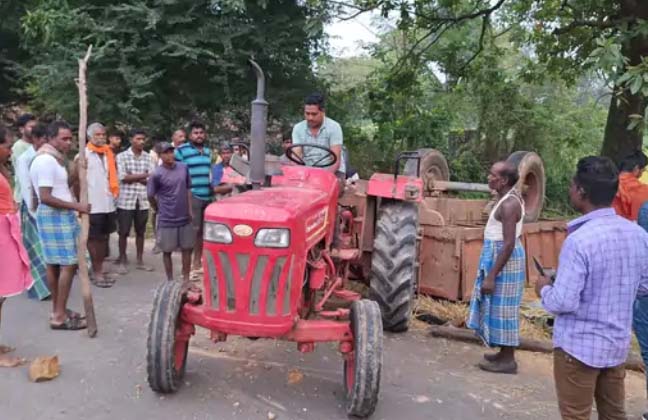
x,y
243,230
317,220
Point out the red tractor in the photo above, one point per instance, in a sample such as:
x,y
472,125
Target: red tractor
x,y
272,271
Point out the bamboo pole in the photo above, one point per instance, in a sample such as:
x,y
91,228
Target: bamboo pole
x,y
83,197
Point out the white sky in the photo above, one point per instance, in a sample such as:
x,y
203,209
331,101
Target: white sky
x,y
347,37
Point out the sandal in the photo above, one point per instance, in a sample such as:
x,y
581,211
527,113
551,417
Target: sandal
x,y
121,269
70,324
144,267
103,282
71,314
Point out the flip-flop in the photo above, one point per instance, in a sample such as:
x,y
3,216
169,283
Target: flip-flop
x,y
70,324
6,349
144,267
70,313
121,269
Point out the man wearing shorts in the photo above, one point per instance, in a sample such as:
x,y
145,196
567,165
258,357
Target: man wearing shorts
x,y
197,157
103,189
169,191
134,166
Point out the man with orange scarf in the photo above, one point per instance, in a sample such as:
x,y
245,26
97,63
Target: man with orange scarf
x,y
632,193
103,190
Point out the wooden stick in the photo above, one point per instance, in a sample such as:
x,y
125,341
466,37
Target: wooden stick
x,y
88,305
633,362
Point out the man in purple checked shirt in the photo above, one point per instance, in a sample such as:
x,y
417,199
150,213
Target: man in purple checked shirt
x,y
603,262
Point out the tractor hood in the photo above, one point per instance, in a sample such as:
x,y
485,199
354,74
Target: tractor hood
x,y
271,206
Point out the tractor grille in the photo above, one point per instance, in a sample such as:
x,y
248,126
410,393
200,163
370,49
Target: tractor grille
x,y
258,285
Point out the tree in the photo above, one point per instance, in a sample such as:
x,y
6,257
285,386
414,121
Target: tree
x,y
157,62
568,38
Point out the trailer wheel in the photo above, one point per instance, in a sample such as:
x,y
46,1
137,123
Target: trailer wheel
x,y
531,183
433,166
393,263
363,365
166,356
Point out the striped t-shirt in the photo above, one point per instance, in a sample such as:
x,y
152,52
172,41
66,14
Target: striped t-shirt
x,y
199,164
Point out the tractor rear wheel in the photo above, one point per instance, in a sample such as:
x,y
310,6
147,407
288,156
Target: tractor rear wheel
x,y
393,263
166,357
363,365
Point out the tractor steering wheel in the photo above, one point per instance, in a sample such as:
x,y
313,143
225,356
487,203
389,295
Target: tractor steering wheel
x,y
325,161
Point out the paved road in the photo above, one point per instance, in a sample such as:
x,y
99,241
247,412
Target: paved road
x,y
104,378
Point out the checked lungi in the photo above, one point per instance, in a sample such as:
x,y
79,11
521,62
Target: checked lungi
x,y
32,244
495,317
58,230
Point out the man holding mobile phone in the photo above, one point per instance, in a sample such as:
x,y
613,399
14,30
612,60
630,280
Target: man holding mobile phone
x,y
603,262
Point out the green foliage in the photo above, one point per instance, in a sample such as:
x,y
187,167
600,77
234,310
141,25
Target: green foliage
x,y
158,62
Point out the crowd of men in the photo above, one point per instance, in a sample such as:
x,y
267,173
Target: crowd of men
x,y
176,180
598,293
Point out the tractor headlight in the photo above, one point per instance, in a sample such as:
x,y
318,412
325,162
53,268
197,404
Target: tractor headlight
x,y
272,238
217,232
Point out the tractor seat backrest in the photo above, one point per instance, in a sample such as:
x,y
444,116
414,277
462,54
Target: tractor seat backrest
x,y
272,165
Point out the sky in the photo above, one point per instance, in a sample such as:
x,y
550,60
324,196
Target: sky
x,y
346,37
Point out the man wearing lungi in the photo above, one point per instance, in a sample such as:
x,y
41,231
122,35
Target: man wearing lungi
x,y
495,302
15,276
56,218
28,214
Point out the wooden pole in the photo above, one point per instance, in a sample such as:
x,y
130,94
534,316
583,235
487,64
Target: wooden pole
x,y
88,305
633,361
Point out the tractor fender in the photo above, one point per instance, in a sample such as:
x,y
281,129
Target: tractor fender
x,y
401,187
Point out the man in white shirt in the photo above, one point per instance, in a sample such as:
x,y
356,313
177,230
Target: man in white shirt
x,y
58,227
25,124
28,215
103,189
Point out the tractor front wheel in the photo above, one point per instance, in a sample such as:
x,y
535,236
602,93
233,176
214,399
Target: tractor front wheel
x,y
363,365
167,344
393,263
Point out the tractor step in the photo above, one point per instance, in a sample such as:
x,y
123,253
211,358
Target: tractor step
x,y
345,254
348,295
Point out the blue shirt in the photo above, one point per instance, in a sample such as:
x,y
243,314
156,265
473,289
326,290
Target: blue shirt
x,y
329,135
199,164
603,262
217,174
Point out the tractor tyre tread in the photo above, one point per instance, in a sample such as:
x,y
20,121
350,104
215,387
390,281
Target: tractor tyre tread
x,y
160,357
366,324
393,263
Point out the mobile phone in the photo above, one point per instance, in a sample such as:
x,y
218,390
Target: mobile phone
x,y
538,266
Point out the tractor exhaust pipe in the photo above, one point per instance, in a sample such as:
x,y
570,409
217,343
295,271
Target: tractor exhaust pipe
x,y
259,125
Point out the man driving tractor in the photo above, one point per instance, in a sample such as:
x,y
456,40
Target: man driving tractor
x,y
321,130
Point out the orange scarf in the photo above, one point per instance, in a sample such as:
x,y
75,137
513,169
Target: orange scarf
x,y
113,180
630,196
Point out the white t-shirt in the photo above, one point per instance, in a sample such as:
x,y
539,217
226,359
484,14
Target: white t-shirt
x,y
99,196
45,171
22,175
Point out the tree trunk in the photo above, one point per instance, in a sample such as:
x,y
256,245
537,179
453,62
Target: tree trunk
x,y
619,141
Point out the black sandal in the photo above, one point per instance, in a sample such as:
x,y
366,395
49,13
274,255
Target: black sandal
x,y
70,324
